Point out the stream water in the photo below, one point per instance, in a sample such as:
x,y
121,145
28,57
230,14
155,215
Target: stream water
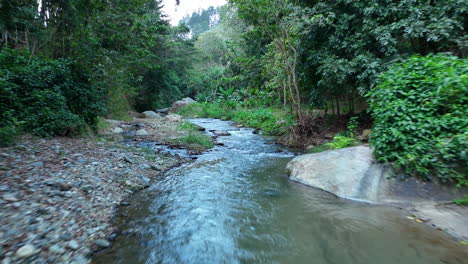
x,y
235,204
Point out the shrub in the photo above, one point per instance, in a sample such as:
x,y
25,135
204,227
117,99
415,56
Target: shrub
x,y
420,112
46,97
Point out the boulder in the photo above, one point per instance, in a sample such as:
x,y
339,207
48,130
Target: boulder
x,y
163,111
141,132
181,103
117,130
151,114
353,173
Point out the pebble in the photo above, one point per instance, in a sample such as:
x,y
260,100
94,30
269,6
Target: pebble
x,y
102,243
10,198
142,132
4,187
73,244
56,249
38,164
26,251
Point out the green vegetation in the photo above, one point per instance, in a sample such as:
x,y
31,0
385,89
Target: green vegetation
x,y
463,201
342,140
421,117
44,97
283,66
271,121
192,138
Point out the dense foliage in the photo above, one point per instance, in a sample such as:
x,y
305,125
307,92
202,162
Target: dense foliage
x,y
44,97
420,111
86,58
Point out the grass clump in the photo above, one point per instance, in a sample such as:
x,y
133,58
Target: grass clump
x,y
462,202
272,121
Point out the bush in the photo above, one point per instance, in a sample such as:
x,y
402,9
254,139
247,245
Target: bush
x,y
44,97
420,112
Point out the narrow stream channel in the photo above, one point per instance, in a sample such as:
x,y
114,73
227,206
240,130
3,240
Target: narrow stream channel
x,y
234,204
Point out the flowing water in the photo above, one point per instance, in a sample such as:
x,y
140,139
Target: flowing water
x,y
234,204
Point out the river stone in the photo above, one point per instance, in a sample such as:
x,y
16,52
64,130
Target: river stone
x,y
26,251
353,173
102,243
151,114
142,132
221,133
117,130
73,244
10,198
177,105
56,249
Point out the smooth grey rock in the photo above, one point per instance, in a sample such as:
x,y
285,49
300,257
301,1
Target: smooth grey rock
x,y
141,132
10,197
177,105
73,244
353,173
102,243
117,130
26,251
151,114
4,187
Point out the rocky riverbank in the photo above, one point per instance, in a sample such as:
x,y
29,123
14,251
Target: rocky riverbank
x,y
58,196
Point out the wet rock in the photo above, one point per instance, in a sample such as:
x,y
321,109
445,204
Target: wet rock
x,y
10,198
26,251
154,167
4,187
151,114
73,244
141,132
256,131
117,130
221,133
102,243
124,203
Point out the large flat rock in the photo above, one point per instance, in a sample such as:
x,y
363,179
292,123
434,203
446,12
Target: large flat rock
x,y
353,173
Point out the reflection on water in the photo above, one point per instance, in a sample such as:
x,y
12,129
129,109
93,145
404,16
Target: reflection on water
x,y
236,205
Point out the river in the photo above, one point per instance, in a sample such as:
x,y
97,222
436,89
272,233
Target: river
x,y
235,204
